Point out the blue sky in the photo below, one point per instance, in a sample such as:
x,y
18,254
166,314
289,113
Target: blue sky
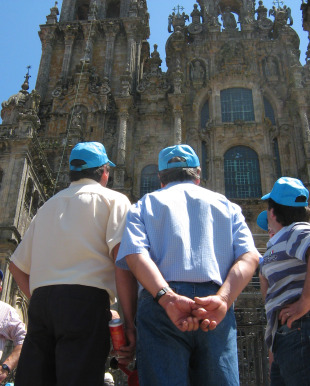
x,y
21,46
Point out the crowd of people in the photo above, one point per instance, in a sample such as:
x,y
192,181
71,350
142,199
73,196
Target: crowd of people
x,y
176,260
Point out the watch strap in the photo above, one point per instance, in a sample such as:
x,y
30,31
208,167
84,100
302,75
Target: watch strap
x,y
6,368
161,293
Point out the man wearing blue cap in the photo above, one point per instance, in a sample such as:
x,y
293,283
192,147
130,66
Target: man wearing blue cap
x,y
65,264
285,282
184,243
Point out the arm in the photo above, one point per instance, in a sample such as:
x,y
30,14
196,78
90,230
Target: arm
x,y
127,287
178,308
238,277
21,278
294,311
11,361
263,286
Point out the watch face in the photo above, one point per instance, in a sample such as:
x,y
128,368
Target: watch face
x,y
6,368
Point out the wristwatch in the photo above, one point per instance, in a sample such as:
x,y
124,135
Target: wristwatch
x,y
6,368
161,293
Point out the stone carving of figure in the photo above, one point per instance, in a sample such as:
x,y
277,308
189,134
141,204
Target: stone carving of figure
x,y
261,11
197,71
271,68
228,18
76,121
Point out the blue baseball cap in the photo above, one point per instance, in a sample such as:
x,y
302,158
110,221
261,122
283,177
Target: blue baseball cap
x,y
92,153
286,190
262,221
184,151
1,274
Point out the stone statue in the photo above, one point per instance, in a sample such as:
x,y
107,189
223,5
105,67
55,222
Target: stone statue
x,y
197,71
229,22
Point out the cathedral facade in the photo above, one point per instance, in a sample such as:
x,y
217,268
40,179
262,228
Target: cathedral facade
x,y
234,90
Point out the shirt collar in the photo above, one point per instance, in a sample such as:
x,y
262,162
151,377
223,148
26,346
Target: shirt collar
x,y
84,181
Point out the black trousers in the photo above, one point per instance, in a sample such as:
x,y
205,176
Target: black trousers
x,y
68,340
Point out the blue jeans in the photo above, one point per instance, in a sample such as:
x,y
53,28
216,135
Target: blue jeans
x,y
291,352
168,357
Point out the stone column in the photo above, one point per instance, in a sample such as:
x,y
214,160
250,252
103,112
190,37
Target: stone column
x,y
123,105
111,32
47,38
70,34
176,103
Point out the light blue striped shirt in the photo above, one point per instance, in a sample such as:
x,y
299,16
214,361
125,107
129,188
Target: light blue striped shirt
x,y
284,266
191,233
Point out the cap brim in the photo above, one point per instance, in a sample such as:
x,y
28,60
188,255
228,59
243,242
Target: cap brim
x,y
266,196
111,164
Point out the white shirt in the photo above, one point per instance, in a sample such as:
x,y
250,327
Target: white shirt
x,y
70,240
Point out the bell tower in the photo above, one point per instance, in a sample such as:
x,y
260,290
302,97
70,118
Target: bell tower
x,y
90,67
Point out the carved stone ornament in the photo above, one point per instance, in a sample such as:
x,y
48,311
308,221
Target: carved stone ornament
x,y
195,27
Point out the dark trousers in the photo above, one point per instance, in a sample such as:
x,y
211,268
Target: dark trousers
x,y
68,340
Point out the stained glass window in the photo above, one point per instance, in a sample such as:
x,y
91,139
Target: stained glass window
x,y
149,180
242,173
237,103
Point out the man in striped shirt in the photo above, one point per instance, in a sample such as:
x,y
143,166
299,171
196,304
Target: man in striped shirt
x,y
285,283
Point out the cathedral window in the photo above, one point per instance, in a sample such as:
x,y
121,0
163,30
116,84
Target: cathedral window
x,y
269,113
83,9
149,180
242,173
277,157
205,116
237,104
28,194
113,9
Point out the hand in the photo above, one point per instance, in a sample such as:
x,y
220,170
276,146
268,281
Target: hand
x,y
216,309
294,311
3,375
126,354
180,311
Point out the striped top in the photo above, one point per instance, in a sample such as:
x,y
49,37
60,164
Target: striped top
x,y
284,266
191,233
11,327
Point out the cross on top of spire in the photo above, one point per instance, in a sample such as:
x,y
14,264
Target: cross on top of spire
x,y
179,7
278,3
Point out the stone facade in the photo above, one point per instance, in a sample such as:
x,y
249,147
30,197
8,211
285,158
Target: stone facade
x,y
234,90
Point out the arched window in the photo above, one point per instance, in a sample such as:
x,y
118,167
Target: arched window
x,y
35,203
242,173
204,117
28,194
82,9
237,103
149,180
269,113
113,9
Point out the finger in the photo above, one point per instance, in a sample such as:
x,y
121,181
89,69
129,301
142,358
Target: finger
x,y
200,313
204,325
201,301
190,323
196,324
213,325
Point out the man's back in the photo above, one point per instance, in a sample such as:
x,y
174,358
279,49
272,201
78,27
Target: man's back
x,y
191,232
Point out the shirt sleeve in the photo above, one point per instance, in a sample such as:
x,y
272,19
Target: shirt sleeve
x,y
242,236
22,255
299,242
12,328
116,223
135,239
